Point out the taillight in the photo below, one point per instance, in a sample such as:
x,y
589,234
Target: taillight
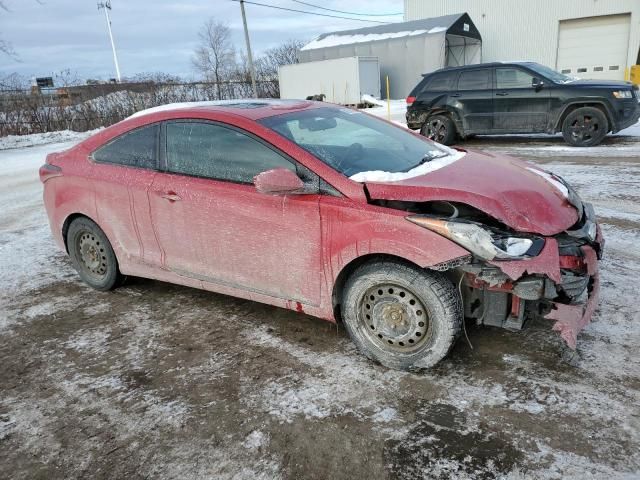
x,y
410,101
48,171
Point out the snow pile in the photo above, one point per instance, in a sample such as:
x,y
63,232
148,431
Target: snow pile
x,y
372,100
335,40
34,139
423,169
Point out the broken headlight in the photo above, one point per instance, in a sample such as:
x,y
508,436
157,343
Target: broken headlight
x,y
482,242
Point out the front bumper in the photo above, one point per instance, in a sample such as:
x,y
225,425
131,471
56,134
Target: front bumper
x,y
560,284
627,112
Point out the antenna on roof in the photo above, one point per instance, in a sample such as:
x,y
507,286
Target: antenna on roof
x,y
107,6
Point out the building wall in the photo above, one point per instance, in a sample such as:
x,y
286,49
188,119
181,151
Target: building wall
x,y
526,29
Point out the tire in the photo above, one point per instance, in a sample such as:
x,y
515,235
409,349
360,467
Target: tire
x,y
402,317
92,255
439,128
585,127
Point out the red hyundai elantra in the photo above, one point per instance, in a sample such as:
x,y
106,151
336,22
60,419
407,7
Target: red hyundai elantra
x,y
328,211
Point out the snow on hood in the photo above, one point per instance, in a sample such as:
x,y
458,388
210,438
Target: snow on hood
x,y
552,180
427,167
336,40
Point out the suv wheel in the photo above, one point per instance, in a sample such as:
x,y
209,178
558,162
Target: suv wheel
x,y
585,127
402,317
439,128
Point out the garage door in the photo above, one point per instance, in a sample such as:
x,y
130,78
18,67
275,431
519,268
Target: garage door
x,y
594,47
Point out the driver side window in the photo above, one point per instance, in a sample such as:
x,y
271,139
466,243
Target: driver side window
x,y
512,78
217,152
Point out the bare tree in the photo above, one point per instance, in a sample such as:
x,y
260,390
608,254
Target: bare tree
x,y
215,57
5,47
284,54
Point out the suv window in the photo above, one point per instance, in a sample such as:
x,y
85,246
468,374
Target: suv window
x,y
136,148
439,82
475,80
213,151
513,78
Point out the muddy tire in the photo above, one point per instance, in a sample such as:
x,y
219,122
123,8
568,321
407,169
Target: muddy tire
x,y
402,317
585,127
92,255
439,128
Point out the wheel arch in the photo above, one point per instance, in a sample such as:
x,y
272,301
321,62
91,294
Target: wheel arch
x,y
67,222
457,123
346,272
600,105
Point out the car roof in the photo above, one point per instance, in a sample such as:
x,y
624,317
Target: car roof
x,y
478,65
253,109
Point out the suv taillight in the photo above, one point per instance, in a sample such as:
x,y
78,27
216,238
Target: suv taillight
x,y
410,101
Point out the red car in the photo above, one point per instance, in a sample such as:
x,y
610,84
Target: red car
x,y
328,211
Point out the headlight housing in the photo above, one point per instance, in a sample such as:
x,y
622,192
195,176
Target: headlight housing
x,y
622,94
482,242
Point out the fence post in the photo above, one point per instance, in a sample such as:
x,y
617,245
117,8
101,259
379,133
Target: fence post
x,y
388,101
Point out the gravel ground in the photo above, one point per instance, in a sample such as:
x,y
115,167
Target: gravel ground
x,y
160,381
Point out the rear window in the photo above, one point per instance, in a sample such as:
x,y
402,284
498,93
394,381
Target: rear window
x,y
475,80
137,148
439,82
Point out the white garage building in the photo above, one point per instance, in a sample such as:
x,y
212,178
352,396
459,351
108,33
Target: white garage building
x,y
584,38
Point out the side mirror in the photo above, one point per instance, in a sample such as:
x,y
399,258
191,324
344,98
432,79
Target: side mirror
x,y
537,83
279,181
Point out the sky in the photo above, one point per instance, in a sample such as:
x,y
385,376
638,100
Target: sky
x,y
49,36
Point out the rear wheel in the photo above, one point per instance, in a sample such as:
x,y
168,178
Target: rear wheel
x,y
439,128
585,127
92,255
403,317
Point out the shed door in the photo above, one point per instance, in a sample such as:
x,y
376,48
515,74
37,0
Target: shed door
x,y
594,47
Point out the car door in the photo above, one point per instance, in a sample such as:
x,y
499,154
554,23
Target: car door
x,y
519,107
214,226
474,100
122,173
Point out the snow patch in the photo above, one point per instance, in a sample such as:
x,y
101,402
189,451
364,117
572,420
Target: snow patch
x,y
552,180
34,139
372,100
335,40
423,169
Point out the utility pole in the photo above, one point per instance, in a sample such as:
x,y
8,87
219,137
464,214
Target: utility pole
x,y
107,6
252,72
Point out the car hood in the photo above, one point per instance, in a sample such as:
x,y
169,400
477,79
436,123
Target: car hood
x,y
600,83
512,191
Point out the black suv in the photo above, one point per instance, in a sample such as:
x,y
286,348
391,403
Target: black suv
x,y
519,97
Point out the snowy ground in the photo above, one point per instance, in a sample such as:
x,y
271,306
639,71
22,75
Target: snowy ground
x,y
155,380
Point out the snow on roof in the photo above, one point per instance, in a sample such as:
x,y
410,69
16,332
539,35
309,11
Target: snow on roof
x,y
425,26
238,103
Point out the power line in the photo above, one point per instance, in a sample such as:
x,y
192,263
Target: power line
x,y
310,13
348,13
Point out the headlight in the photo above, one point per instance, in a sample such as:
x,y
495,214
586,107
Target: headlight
x,y
480,241
622,94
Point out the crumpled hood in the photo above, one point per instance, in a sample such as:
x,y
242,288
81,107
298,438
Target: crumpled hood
x,y
503,187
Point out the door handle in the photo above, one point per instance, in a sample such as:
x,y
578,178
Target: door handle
x,y
454,95
501,94
171,196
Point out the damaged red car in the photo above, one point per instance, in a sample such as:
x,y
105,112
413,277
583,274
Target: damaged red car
x,y
332,212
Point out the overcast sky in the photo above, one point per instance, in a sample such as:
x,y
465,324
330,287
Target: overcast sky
x,y
154,35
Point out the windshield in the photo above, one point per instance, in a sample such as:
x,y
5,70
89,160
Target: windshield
x,y
551,74
352,142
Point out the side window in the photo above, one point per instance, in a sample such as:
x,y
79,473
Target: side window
x,y
513,78
213,151
475,80
440,82
134,149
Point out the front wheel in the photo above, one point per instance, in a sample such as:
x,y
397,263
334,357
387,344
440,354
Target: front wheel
x,y
439,128
585,127
402,317
92,255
